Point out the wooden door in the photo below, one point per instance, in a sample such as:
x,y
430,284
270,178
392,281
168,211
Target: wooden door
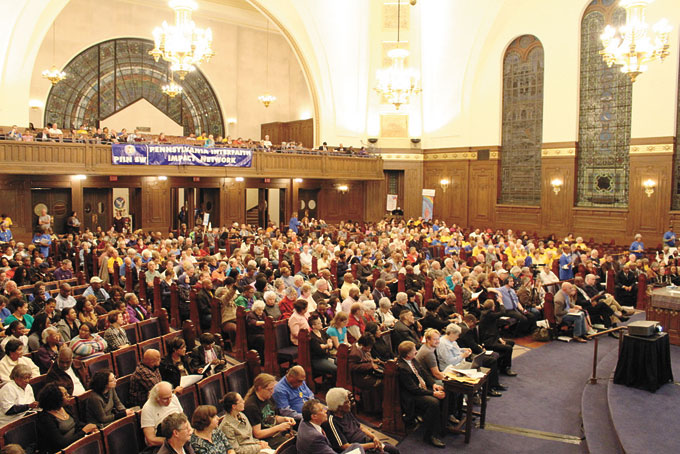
x,y
308,199
58,204
97,208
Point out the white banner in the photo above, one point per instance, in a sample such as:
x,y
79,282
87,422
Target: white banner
x,y
391,202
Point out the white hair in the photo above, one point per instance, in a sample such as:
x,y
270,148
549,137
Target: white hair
x,y
335,397
259,304
402,297
269,295
47,331
453,328
369,305
385,302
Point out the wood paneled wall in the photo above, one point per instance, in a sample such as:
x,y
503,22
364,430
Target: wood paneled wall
x,y
290,131
335,206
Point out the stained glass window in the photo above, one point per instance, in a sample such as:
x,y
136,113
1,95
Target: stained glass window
x,y
522,132
604,115
109,76
675,202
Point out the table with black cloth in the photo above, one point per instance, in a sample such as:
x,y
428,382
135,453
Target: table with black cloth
x,y
644,362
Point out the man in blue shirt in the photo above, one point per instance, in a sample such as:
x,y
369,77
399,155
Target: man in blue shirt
x,y
566,270
669,238
5,233
293,225
526,321
291,392
637,247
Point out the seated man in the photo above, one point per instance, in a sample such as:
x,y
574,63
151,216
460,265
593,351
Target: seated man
x,y
404,329
291,392
145,377
311,438
161,403
177,432
568,312
420,395
367,373
207,355
526,321
598,311
343,428
593,291
491,337
63,374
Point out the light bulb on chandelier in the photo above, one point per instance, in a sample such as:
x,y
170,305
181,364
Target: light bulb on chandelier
x,y
182,44
54,74
629,46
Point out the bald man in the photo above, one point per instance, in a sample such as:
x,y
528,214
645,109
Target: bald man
x,y
61,372
291,392
161,403
145,377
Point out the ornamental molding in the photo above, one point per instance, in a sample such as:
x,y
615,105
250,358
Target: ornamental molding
x,y
558,152
664,148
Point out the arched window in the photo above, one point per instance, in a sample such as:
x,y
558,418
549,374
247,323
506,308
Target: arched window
x,y
675,201
604,115
109,76
522,132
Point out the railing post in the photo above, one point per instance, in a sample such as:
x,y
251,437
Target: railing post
x,y
593,378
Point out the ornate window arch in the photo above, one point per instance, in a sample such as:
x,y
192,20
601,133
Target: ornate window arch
x,y
111,75
604,115
522,133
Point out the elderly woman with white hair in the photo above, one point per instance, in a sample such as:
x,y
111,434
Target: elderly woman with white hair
x,y
255,327
384,314
271,306
448,351
16,396
343,428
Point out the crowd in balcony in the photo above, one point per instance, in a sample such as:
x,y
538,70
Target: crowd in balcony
x,y
106,136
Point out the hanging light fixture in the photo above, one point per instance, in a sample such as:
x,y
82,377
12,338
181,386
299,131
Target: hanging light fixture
x,y
172,89
398,83
183,44
630,47
267,99
54,74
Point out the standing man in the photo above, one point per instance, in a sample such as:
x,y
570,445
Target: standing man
x,y
293,224
669,240
637,247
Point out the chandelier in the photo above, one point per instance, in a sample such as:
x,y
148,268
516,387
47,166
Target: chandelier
x,y
182,44
630,47
54,74
267,99
172,89
397,83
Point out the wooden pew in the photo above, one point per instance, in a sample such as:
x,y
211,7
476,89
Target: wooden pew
x,y
428,289
142,286
128,281
334,273
193,311
304,357
157,302
271,363
239,351
174,307
458,291
393,421
642,292
115,279
344,378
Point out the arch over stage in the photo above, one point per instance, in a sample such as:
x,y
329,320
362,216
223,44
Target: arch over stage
x,y
111,75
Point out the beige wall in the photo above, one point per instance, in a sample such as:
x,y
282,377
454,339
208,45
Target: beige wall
x,y
143,114
236,73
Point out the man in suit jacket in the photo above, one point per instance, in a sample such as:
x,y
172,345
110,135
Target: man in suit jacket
x,y
311,438
568,312
207,353
404,329
491,338
420,395
203,301
469,338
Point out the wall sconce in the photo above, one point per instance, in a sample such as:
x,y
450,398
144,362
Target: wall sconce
x,y
343,188
298,180
444,183
35,104
649,186
556,185
80,177
162,178
239,179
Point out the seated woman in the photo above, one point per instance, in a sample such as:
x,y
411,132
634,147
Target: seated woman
x,y
207,438
103,405
432,319
384,314
343,428
19,309
38,298
14,355
338,329
41,322
320,346
298,320
261,411
440,287
85,309
226,296
56,427
237,428
115,336
176,364
255,328
136,312
115,297
49,349
16,396
382,349
87,343
367,373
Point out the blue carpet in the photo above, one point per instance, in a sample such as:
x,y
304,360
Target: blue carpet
x,y
601,437
647,422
